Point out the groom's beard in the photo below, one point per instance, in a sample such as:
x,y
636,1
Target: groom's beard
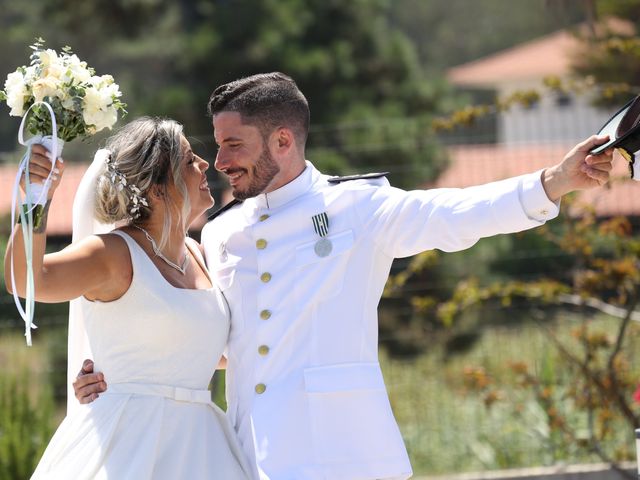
x,y
261,174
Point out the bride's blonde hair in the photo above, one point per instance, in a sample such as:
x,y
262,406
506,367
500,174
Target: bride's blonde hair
x,y
145,153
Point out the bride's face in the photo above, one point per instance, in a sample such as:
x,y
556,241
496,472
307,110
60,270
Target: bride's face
x,y
195,180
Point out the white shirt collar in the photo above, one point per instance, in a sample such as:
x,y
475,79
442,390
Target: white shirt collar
x,y
292,190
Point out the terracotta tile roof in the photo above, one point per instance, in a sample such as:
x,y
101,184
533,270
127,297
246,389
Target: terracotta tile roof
x,y
533,60
473,165
59,223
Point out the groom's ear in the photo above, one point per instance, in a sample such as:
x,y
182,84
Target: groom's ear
x,y
282,139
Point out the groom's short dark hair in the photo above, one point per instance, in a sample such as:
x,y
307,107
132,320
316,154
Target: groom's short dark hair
x,y
267,101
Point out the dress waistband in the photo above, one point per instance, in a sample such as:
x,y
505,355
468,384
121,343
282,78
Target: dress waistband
x,y
179,394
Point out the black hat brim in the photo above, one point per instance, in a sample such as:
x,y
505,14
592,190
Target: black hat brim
x,y
629,140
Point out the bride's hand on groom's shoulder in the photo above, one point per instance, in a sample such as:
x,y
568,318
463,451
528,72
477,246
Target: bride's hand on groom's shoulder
x,y
88,385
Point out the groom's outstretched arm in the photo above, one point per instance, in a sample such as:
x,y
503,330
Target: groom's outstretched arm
x,y
88,385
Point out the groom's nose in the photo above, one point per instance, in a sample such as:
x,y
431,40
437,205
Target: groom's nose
x,y
221,162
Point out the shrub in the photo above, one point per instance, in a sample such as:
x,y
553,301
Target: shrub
x,y
25,426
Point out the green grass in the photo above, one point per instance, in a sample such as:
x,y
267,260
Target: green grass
x,y
27,418
448,429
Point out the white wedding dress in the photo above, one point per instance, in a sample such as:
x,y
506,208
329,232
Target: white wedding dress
x,y
158,346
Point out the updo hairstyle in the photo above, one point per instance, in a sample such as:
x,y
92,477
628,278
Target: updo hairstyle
x,y
146,152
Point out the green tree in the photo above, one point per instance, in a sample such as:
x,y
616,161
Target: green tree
x,y
611,53
370,99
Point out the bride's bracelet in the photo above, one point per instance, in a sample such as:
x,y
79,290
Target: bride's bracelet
x,y
40,214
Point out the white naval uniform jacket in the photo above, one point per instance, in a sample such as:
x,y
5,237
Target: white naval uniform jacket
x,y
304,388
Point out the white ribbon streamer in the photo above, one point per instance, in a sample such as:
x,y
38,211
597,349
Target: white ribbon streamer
x,y
35,194
39,191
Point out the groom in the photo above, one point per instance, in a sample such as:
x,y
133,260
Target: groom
x,y
302,259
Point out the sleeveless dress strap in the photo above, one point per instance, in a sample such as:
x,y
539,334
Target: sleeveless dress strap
x,y
127,238
134,251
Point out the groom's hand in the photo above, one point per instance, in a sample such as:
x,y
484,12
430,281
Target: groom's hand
x,y
579,170
88,385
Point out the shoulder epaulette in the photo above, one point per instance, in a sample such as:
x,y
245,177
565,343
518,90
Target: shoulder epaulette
x,y
357,177
221,210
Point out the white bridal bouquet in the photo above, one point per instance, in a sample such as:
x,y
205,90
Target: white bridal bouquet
x,y
83,103
59,98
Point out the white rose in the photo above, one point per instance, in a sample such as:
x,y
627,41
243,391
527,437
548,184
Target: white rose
x,y
46,87
80,73
107,79
77,70
16,91
55,70
112,91
101,119
47,57
98,110
94,100
95,81
101,81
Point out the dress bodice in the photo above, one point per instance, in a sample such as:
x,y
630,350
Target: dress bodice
x,y
142,337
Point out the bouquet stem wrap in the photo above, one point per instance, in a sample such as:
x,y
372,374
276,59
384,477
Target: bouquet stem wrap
x,y
31,210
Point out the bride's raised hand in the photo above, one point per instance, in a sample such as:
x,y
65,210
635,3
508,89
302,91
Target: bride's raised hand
x,y
40,166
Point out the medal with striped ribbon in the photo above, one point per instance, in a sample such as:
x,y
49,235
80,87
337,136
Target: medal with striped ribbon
x,y
323,246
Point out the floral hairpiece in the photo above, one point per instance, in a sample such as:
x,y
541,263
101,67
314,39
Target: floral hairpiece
x,y
120,182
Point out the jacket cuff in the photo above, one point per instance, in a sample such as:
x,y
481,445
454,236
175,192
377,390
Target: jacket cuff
x,y
534,200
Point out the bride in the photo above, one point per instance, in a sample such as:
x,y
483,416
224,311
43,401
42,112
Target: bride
x,y
155,324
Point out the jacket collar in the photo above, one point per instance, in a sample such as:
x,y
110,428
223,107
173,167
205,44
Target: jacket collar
x,y
287,193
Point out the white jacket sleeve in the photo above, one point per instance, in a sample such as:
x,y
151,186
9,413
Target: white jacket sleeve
x,y
406,223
